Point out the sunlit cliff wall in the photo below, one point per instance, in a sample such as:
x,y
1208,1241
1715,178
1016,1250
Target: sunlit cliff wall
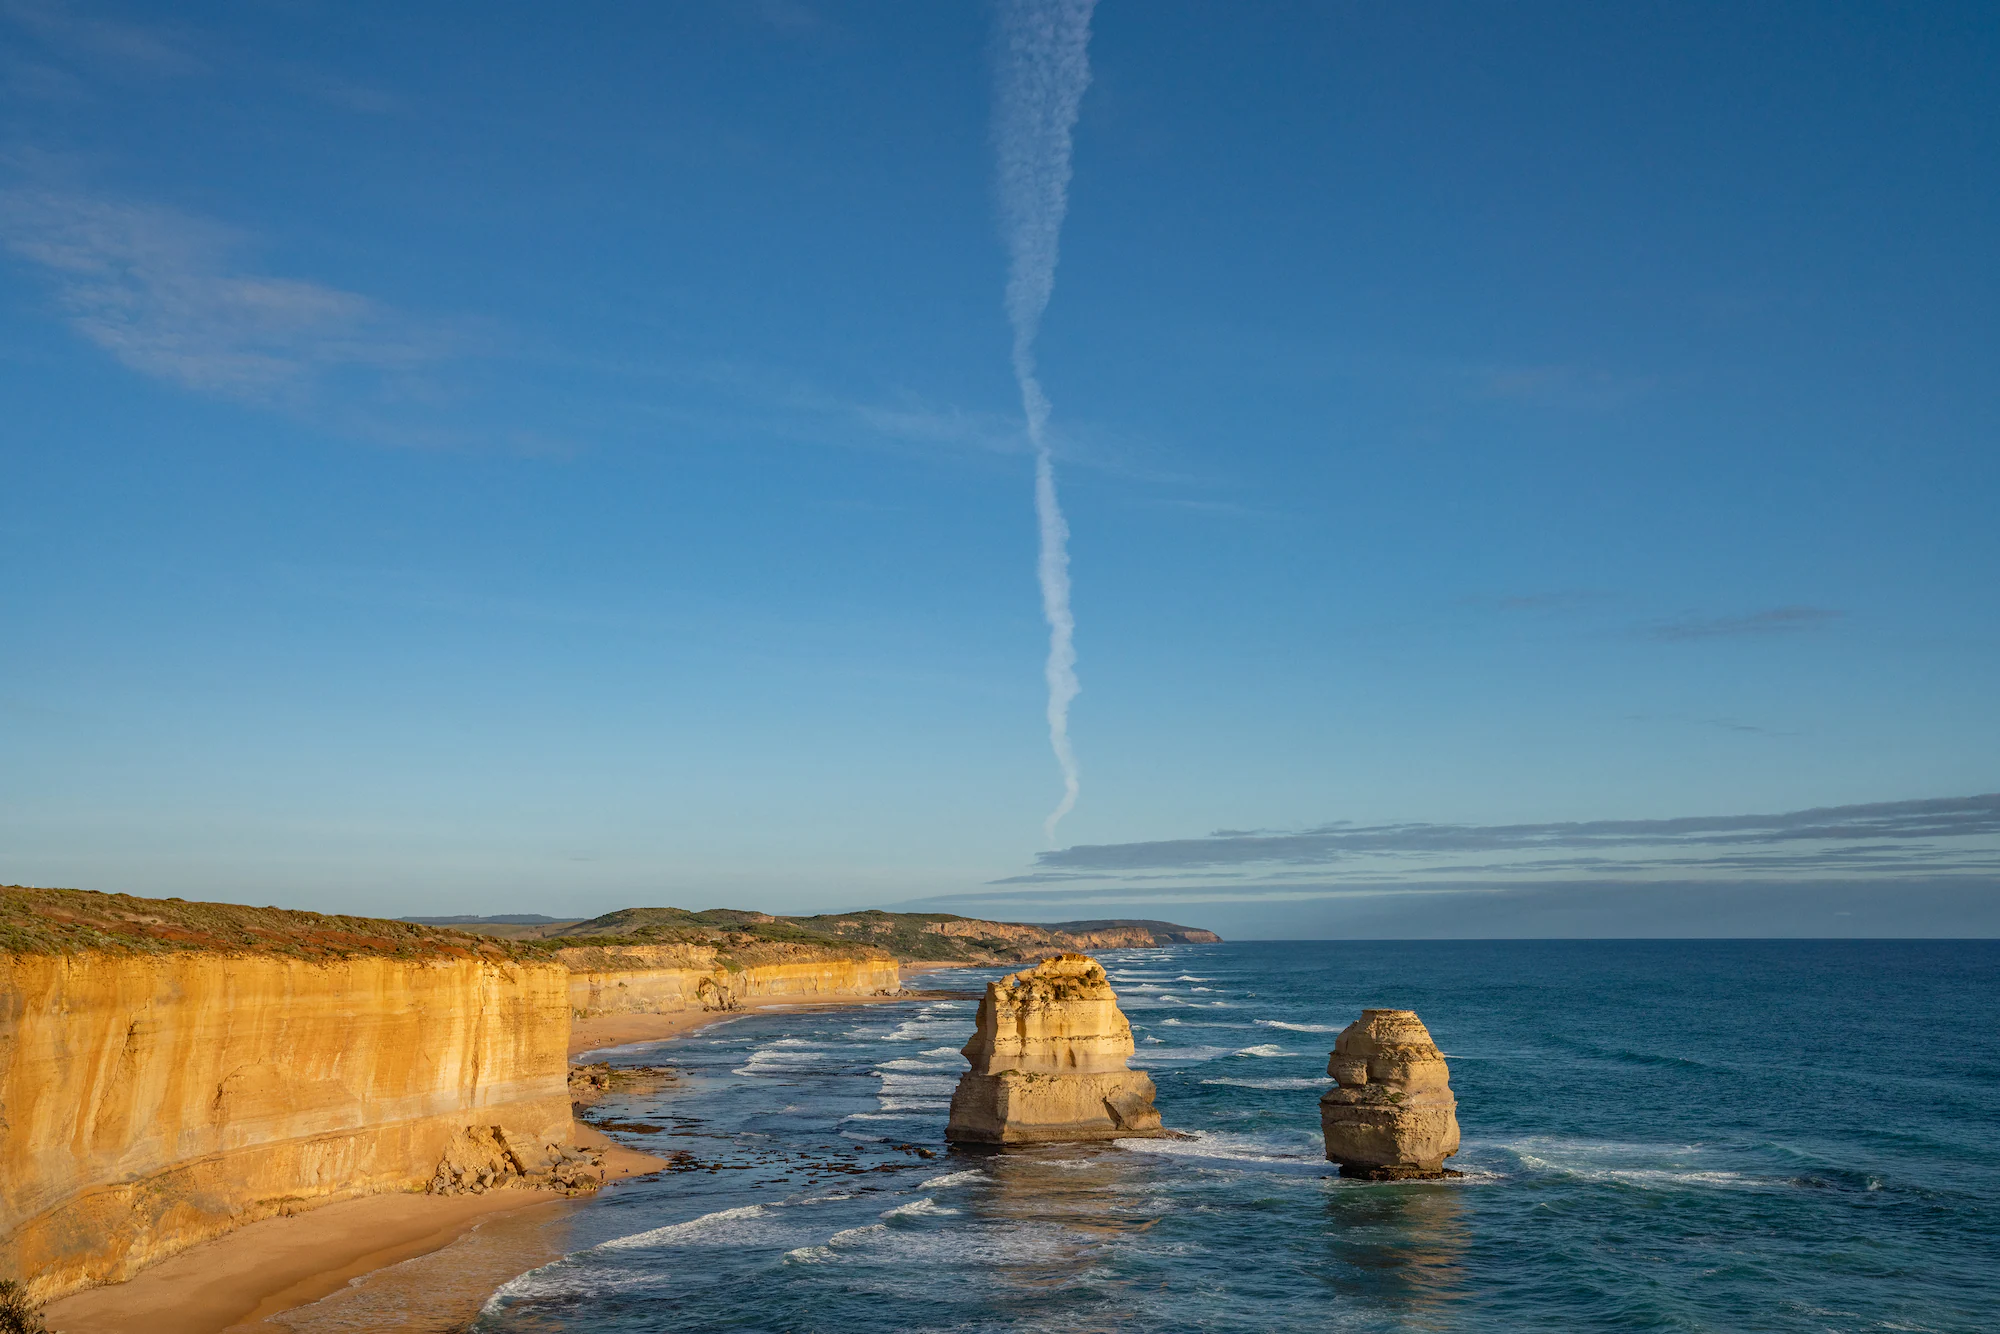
x,y
151,1101
665,979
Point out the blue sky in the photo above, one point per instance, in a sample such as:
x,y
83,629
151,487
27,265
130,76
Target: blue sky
x,y
478,458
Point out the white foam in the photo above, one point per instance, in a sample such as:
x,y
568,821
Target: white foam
x,y
705,1228
854,1235
917,1209
953,1179
1264,1050
1646,1166
1179,1054
772,1060
1299,1028
1169,1021
1234,1148
1320,1082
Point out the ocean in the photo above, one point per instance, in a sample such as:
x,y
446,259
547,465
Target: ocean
x,y
1712,1135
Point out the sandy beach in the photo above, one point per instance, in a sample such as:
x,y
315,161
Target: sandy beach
x,y
235,1283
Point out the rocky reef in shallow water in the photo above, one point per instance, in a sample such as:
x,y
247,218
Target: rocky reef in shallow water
x,y
1049,1062
1392,1116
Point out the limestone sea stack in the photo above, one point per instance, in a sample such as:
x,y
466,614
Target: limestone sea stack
x,y
1048,1062
1392,1116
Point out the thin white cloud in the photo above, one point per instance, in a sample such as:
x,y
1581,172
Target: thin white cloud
x,y
95,39
1770,621
172,296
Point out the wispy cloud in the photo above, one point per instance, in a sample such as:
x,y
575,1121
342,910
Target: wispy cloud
x,y
774,403
174,296
1770,621
788,18
92,38
1568,599
1952,833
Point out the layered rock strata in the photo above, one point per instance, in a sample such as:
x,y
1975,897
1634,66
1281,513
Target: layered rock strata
x,y
1392,1115
1049,1062
150,1101
669,979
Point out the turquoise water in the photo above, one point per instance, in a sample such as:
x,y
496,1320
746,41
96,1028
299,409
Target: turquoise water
x,y
1764,1135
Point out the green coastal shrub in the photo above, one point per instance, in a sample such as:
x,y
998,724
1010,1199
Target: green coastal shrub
x,y
17,1314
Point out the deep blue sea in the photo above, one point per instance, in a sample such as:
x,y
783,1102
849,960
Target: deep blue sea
x,y
1716,1135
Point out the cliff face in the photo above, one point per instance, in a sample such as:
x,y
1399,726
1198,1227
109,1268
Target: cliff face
x,y
151,1100
1049,1062
667,979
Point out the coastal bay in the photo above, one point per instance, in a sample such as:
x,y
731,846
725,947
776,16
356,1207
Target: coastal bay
x,y
1656,1134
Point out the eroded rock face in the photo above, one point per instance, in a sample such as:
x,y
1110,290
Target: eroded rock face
x,y
151,1101
1049,1062
1392,1115
483,1158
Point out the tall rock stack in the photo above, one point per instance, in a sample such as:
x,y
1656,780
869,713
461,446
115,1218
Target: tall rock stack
x,y
1048,1062
1392,1116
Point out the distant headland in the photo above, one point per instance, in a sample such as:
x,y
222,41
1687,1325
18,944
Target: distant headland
x,y
911,937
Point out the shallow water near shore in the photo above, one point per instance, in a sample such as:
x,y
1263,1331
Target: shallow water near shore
x,y
1686,1135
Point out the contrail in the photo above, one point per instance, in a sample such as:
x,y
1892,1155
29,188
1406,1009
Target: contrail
x,y
1044,66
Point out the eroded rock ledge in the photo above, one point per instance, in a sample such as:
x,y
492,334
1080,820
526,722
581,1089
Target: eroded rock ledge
x,y
1049,1062
1392,1116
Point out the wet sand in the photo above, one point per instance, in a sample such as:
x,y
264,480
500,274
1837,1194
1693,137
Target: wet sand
x,y
236,1283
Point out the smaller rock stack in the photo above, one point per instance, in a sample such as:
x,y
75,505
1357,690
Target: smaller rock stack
x,y
1048,1062
1393,1117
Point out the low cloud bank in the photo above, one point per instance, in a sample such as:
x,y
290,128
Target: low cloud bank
x,y
1947,907
1929,836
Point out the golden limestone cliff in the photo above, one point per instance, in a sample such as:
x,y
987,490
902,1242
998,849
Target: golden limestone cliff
x,y
1049,1062
668,979
1392,1115
150,1101
172,1070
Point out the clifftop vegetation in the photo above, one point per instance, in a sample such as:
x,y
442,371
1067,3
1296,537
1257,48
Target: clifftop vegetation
x,y
60,921
912,937
63,921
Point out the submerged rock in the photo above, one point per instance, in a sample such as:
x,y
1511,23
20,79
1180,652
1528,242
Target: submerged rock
x,y
1048,1062
1392,1116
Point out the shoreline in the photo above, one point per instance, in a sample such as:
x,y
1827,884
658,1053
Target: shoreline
x,y
238,1281
604,1031
244,1277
